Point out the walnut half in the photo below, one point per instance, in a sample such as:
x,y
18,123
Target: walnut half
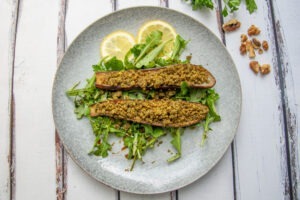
x,y
253,30
254,65
231,25
265,69
265,45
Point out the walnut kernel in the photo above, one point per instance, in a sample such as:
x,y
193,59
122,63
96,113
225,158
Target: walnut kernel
x,y
260,51
256,43
265,69
253,30
244,38
265,45
231,25
243,49
254,65
250,49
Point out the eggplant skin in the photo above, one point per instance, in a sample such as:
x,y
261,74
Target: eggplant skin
x,y
163,113
168,77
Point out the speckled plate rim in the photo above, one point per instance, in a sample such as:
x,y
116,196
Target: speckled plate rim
x,y
224,149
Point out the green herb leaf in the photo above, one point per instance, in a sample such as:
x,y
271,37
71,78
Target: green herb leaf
x,y
179,46
225,12
251,6
114,64
151,41
184,88
199,4
176,142
211,100
151,55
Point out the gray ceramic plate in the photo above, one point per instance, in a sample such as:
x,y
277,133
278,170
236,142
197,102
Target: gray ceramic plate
x,y
155,175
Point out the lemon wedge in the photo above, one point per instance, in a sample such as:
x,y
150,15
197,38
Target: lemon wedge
x,y
167,30
117,44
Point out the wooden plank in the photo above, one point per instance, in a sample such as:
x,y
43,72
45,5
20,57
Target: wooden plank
x,y
260,154
287,30
79,15
121,4
34,70
8,23
61,157
218,183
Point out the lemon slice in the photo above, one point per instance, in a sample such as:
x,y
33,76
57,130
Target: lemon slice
x,y
117,44
167,30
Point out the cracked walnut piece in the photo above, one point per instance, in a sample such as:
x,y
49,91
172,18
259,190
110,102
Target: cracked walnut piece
x,y
254,65
265,69
231,25
244,38
253,30
256,43
243,48
265,45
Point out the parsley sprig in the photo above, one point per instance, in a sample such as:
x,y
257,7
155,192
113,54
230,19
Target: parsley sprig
x,y
230,6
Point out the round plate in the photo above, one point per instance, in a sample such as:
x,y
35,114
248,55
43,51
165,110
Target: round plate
x,y
155,175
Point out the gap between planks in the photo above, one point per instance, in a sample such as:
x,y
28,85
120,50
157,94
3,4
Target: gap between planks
x,y
11,110
232,146
289,117
60,154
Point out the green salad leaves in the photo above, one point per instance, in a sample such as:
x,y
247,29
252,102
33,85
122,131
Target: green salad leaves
x,y
138,138
230,6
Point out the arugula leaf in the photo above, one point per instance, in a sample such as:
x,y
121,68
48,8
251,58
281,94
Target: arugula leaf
x,y
114,64
82,110
176,142
251,6
158,132
151,41
179,46
184,88
211,100
208,120
151,55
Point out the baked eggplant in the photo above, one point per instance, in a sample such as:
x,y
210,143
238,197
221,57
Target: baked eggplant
x,y
168,77
163,113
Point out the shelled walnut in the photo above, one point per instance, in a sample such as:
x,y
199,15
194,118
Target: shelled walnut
x,y
254,65
256,43
253,30
265,69
244,38
231,25
243,49
265,45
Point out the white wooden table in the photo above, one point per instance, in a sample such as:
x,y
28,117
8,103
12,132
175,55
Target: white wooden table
x,y
262,163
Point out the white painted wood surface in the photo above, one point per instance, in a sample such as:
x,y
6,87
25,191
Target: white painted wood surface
x,y
79,184
260,166
285,14
260,146
7,40
34,70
